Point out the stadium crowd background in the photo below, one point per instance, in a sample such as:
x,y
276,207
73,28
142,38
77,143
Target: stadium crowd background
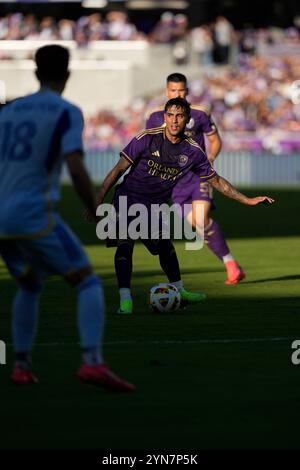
x,y
250,100
251,104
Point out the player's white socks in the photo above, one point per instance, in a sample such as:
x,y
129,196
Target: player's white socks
x,y
125,293
25,315
178,284
227,258
90,309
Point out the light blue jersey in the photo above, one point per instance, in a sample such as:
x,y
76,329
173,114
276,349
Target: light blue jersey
x,y
36,132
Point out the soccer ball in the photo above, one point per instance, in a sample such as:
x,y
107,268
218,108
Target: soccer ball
x,y
164,298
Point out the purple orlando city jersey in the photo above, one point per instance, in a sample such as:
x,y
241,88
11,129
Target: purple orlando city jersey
x,y
200,124
158,164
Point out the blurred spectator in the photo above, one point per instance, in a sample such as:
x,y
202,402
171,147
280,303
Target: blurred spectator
x,y
222,37
247,40
66,30
14,30
163,32
180,50
202,44
48,29
82,32
119,28
181,24
29,27
4,27
97,30
252,105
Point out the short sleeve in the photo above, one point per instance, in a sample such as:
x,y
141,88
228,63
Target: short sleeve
x,y
71,123
134,149
203,167
208,125
155,120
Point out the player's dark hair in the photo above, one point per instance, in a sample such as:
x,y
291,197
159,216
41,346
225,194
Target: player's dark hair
x,y
177,78
179,103
52,63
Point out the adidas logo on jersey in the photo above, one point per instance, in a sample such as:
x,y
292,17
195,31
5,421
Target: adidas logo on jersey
x,y
156,153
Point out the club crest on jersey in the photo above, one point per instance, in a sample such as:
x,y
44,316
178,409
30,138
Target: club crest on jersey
x,y
190,124
182,160
189,133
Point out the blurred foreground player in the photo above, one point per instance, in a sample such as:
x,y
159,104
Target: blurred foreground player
x,y
158,158
191,190
38,133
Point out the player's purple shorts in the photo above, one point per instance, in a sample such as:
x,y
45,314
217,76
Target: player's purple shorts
x,y
189,189
155,231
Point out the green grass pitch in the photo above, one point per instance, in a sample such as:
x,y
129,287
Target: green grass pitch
x,y
214,376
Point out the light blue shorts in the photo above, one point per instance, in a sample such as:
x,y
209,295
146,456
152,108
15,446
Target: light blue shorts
x,y
59,252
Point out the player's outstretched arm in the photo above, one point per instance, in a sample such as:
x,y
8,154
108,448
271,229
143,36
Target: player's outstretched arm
x,y
222,185
81,180
113,176
109,181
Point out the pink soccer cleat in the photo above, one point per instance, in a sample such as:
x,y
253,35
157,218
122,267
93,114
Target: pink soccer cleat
x,y
235,274
23,377
103,376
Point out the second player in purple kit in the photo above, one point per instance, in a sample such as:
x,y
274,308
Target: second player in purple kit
x,y
192,191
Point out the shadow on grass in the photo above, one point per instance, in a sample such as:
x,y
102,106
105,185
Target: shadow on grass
x,y
229,310
158,272
293,277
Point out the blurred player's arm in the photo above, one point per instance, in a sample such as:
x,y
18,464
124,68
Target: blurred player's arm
x,y
81,180
155,118
212,135
215,145
113,176
222,185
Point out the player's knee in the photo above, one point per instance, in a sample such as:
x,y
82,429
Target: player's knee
x,y
207,223
78,276
154,251
165,248
29,282
90,281
153,247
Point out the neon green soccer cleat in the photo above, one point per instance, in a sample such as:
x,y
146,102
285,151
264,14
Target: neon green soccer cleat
x,y
191,297
126,307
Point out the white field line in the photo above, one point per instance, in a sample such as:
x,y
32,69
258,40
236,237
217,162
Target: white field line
x,y
171,341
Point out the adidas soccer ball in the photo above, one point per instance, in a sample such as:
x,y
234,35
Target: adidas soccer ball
x,y
164,298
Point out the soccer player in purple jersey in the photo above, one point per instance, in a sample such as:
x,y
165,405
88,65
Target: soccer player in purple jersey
x,y
158,159
189,189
